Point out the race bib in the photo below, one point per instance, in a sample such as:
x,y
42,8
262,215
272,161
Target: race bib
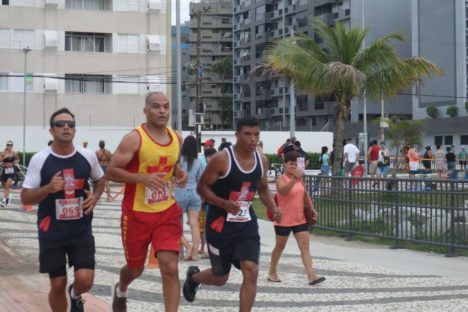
x,y
153,197
243,215
69,209
9,170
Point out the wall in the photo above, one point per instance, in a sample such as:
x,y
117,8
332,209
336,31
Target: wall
x,y
37,138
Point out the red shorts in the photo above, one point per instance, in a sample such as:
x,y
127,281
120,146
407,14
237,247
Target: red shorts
x,y
139,229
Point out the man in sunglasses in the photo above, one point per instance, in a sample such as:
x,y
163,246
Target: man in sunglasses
x,y
57,180
146,160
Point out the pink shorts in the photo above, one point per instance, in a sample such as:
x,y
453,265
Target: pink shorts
x,y
162,229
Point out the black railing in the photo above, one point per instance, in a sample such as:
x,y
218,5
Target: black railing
x,y
415,210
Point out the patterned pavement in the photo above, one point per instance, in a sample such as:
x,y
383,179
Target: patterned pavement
x,y
350,285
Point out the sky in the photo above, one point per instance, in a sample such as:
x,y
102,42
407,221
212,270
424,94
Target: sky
x,y
184,11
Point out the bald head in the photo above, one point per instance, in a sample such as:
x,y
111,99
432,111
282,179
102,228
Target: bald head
x,y
157,95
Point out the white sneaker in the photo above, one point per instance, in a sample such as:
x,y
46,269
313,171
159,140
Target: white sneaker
x,y
4,202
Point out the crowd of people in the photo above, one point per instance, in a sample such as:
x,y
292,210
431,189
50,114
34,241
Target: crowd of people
x,y
164,177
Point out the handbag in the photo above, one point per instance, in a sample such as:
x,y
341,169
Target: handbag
x,y
309,214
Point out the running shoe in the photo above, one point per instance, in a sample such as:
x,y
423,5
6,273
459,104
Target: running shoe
x,y
4,202
76,305
190,287
118,304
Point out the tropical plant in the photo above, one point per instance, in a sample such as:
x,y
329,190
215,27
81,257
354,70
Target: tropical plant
x,y
223,70
401,134
340,67
452,111
432,111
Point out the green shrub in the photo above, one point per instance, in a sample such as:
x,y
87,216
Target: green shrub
x,y
432,111
466,106
452,111
27,158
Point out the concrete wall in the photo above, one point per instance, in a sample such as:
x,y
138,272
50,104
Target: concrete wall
x,y
37,137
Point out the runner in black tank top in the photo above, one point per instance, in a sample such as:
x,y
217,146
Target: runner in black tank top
x,y
229,184
240,186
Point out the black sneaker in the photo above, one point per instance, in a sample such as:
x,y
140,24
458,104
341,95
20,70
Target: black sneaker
x,y
118,304
190,287
76,305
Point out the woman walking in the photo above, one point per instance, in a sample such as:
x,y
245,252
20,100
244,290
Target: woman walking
x,y
9,159
291,195
187,198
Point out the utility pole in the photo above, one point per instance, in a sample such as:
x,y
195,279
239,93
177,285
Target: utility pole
x,y
25,51
179,70
198,106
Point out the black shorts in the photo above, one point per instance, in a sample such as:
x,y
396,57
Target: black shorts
x,y
286,230
53,253
227,252
5,176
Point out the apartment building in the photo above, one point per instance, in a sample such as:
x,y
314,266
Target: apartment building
x,y
185,48
98,58
210,91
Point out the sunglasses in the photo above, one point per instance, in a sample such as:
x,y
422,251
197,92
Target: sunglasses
x,y
62,123
9,144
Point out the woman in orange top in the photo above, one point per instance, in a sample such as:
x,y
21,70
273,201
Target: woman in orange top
x,y
290,196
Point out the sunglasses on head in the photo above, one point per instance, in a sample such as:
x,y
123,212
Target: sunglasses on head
x,y
62,123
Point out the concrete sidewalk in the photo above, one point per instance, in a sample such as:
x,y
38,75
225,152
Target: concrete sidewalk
x,y
360,276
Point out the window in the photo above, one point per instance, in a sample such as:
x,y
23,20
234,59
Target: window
x,y
4,38
464,139
448,139
87,42
128,43
84,4
78,83
5,2
319,105
23,38
3,81
438,140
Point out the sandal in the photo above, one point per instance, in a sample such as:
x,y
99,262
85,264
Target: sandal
x,y
317,281
273,279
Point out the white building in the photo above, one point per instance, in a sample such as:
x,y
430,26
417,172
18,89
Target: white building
x,y
96,57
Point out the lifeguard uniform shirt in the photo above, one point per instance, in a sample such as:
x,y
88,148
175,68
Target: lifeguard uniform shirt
x,y
152,157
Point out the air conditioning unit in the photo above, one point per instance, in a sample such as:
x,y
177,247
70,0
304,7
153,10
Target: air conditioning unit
x,y
50,85
51,3
50,39
154,43
154,5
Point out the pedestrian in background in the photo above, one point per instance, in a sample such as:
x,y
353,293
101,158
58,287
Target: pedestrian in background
x,y
291,197
9,158
451,163
440,162
187,197
462,158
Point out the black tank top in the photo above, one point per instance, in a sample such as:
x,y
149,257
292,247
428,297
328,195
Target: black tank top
x,y
237,185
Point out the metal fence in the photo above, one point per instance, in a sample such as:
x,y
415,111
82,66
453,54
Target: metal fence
x,y
418,210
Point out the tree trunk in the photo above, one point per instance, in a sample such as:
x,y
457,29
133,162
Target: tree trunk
x,y
341,113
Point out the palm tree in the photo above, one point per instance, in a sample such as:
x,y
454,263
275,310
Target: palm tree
x,y
223,70
340,67
403,133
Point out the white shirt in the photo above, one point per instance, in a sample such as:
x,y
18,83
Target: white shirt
x,y
351,151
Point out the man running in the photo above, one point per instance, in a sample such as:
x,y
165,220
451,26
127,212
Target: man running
x,y
228,185
57,179
146,160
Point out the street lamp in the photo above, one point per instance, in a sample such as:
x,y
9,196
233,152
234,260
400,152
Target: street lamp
x,y
25,51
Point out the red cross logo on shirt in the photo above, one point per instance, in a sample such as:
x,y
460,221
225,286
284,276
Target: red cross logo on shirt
x,y
162,166
70,183
244,194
